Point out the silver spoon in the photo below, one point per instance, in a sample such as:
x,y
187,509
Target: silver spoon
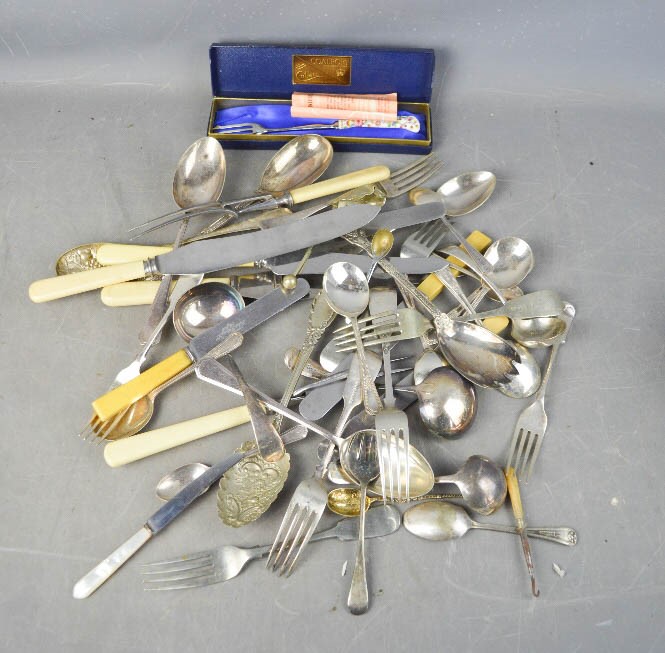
x,y
446,401
461,194
199,178
527,379
205,306
170,484
480,481
298,163
347,293
537,332
442,521
360,459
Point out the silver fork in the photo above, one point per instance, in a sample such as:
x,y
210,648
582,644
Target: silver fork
x,y
310,497
532,422
403,180
391,424
409,323
423,241
226,562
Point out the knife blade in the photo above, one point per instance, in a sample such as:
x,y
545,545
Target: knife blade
x,y
250,317
319,264
214,254
164,516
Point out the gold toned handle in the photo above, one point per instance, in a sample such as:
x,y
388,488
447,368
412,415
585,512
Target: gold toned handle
x,y
340,184
46,290
128,450
515,496
113,402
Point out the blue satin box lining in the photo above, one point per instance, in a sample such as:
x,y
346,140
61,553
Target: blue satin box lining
x,y
275,116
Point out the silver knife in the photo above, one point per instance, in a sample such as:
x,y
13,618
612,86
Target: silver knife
x,y
214,254
241,322
319,264
164,516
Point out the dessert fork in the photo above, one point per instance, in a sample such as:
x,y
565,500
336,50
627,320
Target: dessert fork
x,y
226,562
532,422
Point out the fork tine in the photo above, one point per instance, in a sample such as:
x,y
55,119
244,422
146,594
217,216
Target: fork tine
x,y
534,454
381,445
417,176
172,563
289,542
404,462
311,522
87,430
202,581
417,164
181,574
284,528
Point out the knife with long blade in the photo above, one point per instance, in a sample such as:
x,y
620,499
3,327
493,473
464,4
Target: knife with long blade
x,y
209,255
319,264
164,516
251,316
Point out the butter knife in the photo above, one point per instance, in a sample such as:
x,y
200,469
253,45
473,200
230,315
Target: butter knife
x,y
209,255
164,516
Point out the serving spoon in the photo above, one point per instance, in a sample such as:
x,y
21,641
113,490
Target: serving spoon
x,y
442,521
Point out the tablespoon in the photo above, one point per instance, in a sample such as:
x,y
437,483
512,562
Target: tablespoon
x,y
359,457
442,521
345,501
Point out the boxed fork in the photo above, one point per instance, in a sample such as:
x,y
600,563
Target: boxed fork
x,y
254,84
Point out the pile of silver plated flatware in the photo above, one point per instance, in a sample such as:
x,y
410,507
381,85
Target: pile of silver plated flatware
x,y
427,323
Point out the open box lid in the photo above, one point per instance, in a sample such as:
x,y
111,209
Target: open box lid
x,y
275,71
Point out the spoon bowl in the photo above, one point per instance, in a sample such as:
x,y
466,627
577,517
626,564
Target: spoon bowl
x,y
511,259
170,484
299,163
527,380
461,194
205,306
447,402
536,332
200,173
346,288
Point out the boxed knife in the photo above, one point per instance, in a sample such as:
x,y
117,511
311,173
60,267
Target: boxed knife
x,y
253,85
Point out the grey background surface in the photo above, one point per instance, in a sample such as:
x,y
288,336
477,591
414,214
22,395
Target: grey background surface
x,y
563,101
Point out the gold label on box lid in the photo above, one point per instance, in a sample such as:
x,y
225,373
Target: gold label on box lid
x,y
321,69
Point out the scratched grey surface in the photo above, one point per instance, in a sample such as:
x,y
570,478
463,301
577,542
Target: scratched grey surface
x,y
565,103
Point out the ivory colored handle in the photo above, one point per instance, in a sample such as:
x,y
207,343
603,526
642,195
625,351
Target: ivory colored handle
x,y
129,450
113,402
45,290
114,254
515,496
340,184
136,293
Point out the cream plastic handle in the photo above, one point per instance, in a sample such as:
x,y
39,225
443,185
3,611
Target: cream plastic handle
x,y
114,254
137,293
129,450
46,290
340,184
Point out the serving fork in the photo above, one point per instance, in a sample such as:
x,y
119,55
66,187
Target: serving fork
x,y
397,183
532,422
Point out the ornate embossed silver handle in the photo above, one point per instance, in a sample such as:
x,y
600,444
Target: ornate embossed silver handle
x,y
359,239
558,534
320,318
